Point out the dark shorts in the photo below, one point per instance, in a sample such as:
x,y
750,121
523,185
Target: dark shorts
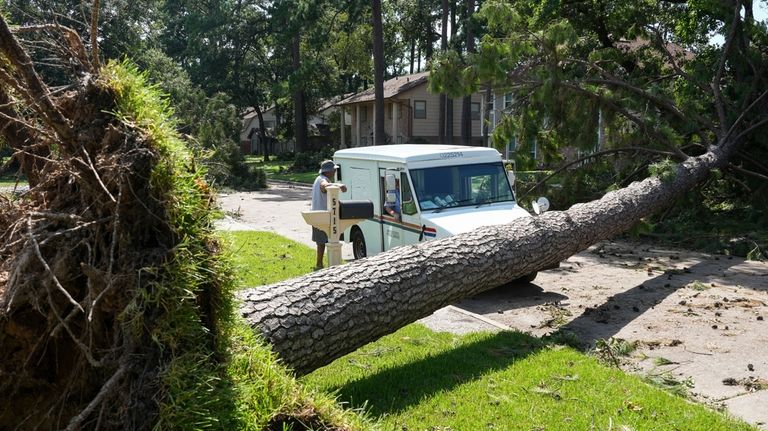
x,y
319,236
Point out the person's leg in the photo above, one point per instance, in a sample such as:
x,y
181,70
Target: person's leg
x,y
320,253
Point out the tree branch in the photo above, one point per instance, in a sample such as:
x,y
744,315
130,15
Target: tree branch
x,y
595,155
20,60
747,172
743,114
640,123
719,101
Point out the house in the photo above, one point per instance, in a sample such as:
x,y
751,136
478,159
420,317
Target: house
x,y
412,113
249,133
318,124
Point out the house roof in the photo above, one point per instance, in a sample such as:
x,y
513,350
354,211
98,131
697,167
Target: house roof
x,y
392,87
250,112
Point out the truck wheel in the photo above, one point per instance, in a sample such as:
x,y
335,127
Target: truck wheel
x,y
358,243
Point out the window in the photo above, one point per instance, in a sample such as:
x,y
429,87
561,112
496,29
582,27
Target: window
x,y
409,206
419,109
463,185
269,125
363,114
507,100
475,109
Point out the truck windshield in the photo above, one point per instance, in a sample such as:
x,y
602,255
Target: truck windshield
x,y
462,185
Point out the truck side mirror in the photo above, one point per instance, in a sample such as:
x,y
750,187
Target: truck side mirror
x,y
389,182
540,205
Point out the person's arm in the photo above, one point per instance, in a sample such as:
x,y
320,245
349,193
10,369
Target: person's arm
x,y
323,183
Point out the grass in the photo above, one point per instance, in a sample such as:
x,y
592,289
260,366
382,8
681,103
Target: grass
x,y
266,258
418,379
278,170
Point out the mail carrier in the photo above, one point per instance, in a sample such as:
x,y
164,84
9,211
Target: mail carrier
x,y
423,192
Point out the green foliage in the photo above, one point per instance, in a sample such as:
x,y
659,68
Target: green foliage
x,y
310,161
210,124
665,170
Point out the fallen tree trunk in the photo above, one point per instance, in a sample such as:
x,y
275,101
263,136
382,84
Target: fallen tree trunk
x,y
315,319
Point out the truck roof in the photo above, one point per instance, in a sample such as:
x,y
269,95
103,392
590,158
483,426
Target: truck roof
x,y
408,153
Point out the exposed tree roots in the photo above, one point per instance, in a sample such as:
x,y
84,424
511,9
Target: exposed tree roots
x,y
77,252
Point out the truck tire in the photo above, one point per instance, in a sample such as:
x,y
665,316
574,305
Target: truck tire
x,y
358,243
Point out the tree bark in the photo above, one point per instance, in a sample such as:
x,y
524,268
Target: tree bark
x,y
487,113
378,73
443,47
299,110
315,319
466,109
263,132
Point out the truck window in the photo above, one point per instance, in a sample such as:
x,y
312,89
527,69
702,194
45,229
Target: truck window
x,y
462,185
409,206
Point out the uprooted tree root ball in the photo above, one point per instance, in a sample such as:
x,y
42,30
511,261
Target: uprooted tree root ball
x,y
111,288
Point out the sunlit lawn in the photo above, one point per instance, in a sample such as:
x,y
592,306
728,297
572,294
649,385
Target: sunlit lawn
x,y
417,379
265,257
278,170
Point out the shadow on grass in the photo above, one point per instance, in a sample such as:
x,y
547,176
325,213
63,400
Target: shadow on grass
x,y
395,389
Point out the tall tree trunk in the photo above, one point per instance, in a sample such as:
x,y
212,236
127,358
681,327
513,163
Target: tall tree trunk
x,y
378,73
299,110
443,48
314,319
487,113
466,108
448,100
263,132
413,50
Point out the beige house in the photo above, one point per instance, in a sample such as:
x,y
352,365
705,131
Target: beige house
x,y
412,114
249,136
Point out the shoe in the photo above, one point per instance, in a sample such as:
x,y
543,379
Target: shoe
x,y
318,267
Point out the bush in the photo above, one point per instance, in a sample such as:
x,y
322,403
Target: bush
x,y
309,161
245,176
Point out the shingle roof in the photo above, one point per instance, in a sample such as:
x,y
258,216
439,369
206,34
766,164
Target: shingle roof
x,y
392,88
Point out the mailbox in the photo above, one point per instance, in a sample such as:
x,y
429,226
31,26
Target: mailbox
x,y
339,216
355,210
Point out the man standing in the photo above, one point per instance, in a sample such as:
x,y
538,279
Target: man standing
x,y
320,203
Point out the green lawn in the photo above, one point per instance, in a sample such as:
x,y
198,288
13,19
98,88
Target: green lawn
x,y
417,379
266,258
277,170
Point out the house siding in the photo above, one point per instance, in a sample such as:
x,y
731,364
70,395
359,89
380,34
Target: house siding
x,y
428,128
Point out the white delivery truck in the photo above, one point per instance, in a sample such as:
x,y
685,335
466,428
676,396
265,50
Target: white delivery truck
x,y
443,190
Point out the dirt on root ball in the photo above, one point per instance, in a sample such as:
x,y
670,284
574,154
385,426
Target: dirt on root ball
x,y
70,251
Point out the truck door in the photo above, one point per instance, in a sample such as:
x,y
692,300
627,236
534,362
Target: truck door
x,y
404,226
391,227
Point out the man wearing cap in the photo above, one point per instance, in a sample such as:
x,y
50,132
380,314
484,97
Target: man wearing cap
x,y
320,203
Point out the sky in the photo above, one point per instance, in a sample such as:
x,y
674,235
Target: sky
x,y
760,10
